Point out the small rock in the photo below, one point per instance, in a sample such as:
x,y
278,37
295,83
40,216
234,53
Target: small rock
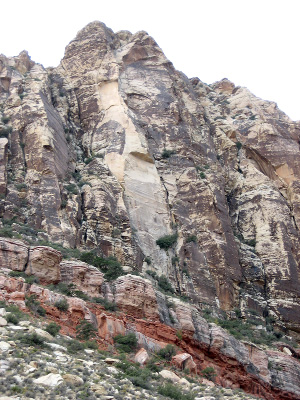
x,y
52,370
141,356
2,312
41,333
3,321
24,323
73,379
184,382
34,364
51,380
287,351
4,346
57,347
113,370
111,361
4,365
89,351
165,373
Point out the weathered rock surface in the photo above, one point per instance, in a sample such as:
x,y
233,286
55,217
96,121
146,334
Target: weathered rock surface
x,y
114,149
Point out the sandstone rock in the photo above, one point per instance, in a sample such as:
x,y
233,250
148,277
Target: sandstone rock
x,y
136,295
51,380
184,361
73,379
166,374
3,321
41,333
13,254
86,277
141,356
207,382
4,347
44,263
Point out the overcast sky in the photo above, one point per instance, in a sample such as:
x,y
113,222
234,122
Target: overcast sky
x,y
253,43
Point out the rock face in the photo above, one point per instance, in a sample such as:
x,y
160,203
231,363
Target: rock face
x,y
115,149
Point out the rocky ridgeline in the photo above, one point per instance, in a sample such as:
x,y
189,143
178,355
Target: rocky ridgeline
x,y
195,187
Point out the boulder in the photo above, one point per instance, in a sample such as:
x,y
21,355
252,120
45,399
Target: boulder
x,y
141,356
73,379
86,277
184,361
13,254
51,380
44,264
166,374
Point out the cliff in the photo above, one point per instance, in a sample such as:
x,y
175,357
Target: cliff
x,y
116,152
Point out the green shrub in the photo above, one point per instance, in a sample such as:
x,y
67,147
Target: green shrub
x,y
34,305
109,306
4,132
81,295
165,242
147,260
62,305
191,238
167,153
5,119
126,343
6,231
74,346
110,266
239,145
209,373
202,175
167,352
85,330
72,188
179,334
174,392
53,328
20,186
32,339
28,278
165,285
12,318
88,160
67,289
153,274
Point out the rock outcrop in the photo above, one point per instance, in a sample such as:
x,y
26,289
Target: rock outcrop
x,y
196,187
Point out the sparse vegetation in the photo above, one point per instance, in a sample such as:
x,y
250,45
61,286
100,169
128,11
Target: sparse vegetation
x,y
85,330
110,266
109,306
52,328
34,305
165,242
165,285
191,238
126,343
167,153
72,188
4,132
62,305
174,392
167,352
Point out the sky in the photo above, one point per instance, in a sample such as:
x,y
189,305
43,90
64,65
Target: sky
x,y
253,43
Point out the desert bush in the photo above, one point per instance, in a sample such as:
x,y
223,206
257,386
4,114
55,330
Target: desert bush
x,y
12,318
165,242
53,328
167,352
62,305
191,238
167,153
109,306
34,305
126,343
174,392
164,284
209,373
85,330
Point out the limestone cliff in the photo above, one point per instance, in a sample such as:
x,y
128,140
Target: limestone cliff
x,y
114,149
